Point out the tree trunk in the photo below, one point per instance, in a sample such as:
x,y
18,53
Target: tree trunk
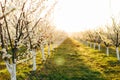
x,y
91,45
48,49
34,59
94,45
87,44
12,70
99,47
42,50
117,53
52,47
107,51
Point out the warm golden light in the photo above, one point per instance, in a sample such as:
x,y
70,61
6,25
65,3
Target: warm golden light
x,y
60,61
79,15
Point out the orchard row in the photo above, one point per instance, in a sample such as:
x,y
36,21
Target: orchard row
x,y
25,26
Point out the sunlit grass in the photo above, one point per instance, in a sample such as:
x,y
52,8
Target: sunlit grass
x,y
60,61
23,69
71,61
108,66
80,63
73,69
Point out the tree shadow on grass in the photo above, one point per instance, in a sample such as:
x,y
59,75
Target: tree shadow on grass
x,y
66,64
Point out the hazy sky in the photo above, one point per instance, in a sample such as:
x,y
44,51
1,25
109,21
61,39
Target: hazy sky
x,y
79,15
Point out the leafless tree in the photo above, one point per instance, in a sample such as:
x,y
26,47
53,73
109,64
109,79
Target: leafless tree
x,y
105,37
114,32
16,27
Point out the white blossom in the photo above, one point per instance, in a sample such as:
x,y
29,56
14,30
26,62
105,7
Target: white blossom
x,y
8,56
5,55
0,43
4,51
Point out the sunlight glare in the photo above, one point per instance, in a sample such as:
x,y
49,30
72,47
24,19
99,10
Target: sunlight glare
x,y
59,61
79,15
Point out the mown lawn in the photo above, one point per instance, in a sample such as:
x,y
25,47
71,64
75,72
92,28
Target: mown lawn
x,y
24,69
74,61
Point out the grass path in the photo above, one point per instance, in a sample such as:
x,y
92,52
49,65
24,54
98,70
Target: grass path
x,y
74,61
70,61
68,64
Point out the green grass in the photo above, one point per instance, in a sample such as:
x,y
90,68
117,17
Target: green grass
x,y
72,61
23,69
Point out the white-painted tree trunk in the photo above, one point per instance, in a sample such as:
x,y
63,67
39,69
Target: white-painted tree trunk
x,y
12,70
48,50
52,47
87,44
117,53
42,50
99,47
91,45
27,58
107,51
94,45
34,59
